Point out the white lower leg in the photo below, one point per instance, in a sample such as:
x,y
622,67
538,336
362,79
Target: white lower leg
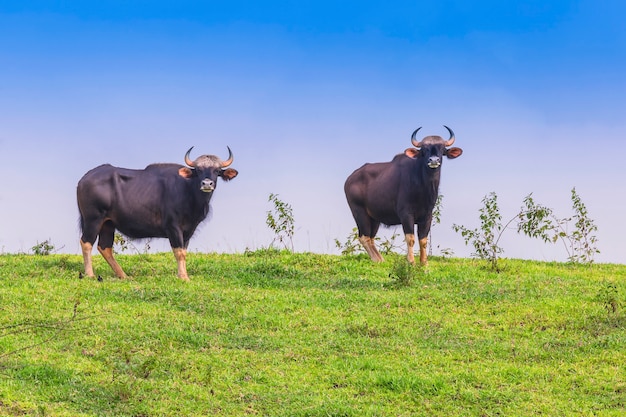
x,y
423,243
377,255
370,248
365,241
410,243
87,248
181,259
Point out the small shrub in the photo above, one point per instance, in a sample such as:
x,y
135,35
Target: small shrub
x,y
608,296
582,241
44,248
535,221
580,244
485,239
351,246
436,220
403,273
121,244
388,245
281,222
446,252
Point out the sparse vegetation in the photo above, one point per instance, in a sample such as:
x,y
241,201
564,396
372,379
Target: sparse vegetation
x,y
122,244
403,273
486,238
352,246
43,248
289,334
610,298
436,220
535,221
281,221
583,243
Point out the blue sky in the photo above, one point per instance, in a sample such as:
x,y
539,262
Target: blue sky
x,y
304,92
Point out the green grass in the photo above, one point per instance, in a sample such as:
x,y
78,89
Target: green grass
x,y
279,334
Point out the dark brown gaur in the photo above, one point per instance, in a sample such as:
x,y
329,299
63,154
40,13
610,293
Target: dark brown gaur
x,y
161,200
403,191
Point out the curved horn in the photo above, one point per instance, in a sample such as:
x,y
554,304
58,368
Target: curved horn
x,y
451,140
188,161
415,142
229,161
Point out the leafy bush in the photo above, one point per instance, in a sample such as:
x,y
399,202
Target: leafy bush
x,y
485,239
581,241
121,244
535,221
44,248
351,246
281,222
403,273
609,297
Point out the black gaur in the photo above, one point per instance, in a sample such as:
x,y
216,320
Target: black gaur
x,y
160,201
403,191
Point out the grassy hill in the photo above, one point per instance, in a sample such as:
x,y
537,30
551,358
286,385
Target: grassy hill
x,y
280,334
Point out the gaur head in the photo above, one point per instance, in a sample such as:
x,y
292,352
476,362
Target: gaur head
x,y
431,149
207,168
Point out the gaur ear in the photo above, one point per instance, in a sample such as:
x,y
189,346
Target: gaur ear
x,y
412,152
228,174
453,152
185,172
